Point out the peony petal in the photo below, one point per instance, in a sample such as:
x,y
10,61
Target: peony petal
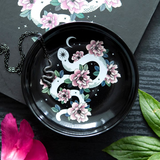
x,y
37,152
25,140
9,135
15,145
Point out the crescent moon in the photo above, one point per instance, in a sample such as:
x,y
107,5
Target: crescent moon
x,y
68,39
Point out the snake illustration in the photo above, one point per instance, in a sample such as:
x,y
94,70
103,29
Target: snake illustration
x,y
63,56
84,60
40,5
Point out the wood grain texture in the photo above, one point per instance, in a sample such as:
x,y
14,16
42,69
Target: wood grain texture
x,y
61,147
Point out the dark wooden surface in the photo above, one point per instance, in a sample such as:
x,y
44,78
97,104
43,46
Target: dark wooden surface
x,y
61,147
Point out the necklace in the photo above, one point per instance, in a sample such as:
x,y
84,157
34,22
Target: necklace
x,y
4,49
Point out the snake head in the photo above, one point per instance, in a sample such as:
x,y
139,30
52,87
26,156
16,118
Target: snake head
x,y
62,54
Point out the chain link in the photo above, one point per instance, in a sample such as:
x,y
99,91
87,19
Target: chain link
x,y
4,49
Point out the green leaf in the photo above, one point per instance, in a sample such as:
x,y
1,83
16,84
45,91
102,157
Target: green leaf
x,y
108,84
109,8
54,109
25,13
56,73
61,89
80,67
86,96
107,50
134,148
87,90
80,15
55,3
45,90
150,108
62,102
96,73
86,67
67,81
89,109
155,156
49,92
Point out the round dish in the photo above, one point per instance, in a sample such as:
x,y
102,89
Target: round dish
x,y
95,83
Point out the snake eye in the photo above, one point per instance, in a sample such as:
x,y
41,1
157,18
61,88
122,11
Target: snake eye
x,y
63,55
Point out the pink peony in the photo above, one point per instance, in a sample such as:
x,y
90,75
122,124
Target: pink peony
x,y
49,21
96,48
79,112
64,95
20,145
27,4
112,74
80,78
113,3
77,55
74,6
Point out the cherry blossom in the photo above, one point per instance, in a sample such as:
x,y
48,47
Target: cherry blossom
x,y
112,74
74,6
64,95
113,3
80,78
79,112
77,55
27,4
96,48
49,21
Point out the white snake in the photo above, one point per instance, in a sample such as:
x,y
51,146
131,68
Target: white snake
x,y
71,67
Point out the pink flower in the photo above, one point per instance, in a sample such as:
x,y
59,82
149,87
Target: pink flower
x,y
27,4
112,74
80,78
74,6
20,145
96,48
64,95
113,3
79,112
77,55
49,21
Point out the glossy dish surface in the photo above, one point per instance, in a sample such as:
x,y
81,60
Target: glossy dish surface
x,y
95,83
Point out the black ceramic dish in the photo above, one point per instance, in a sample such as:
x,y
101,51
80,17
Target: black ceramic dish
x,y
96,80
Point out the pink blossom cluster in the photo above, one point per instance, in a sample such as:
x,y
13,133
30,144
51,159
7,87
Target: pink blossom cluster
x,y
80,78
49,21
75,6
79,112
112,74
96,48
113,3
26,4
64,95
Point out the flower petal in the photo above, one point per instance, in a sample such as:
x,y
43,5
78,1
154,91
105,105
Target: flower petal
x,y
9,135
25,140
37,152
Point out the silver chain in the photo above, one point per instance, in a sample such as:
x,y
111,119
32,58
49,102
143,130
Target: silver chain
x,y
4,49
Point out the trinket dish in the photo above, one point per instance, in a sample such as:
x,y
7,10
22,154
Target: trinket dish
x,y
95,79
